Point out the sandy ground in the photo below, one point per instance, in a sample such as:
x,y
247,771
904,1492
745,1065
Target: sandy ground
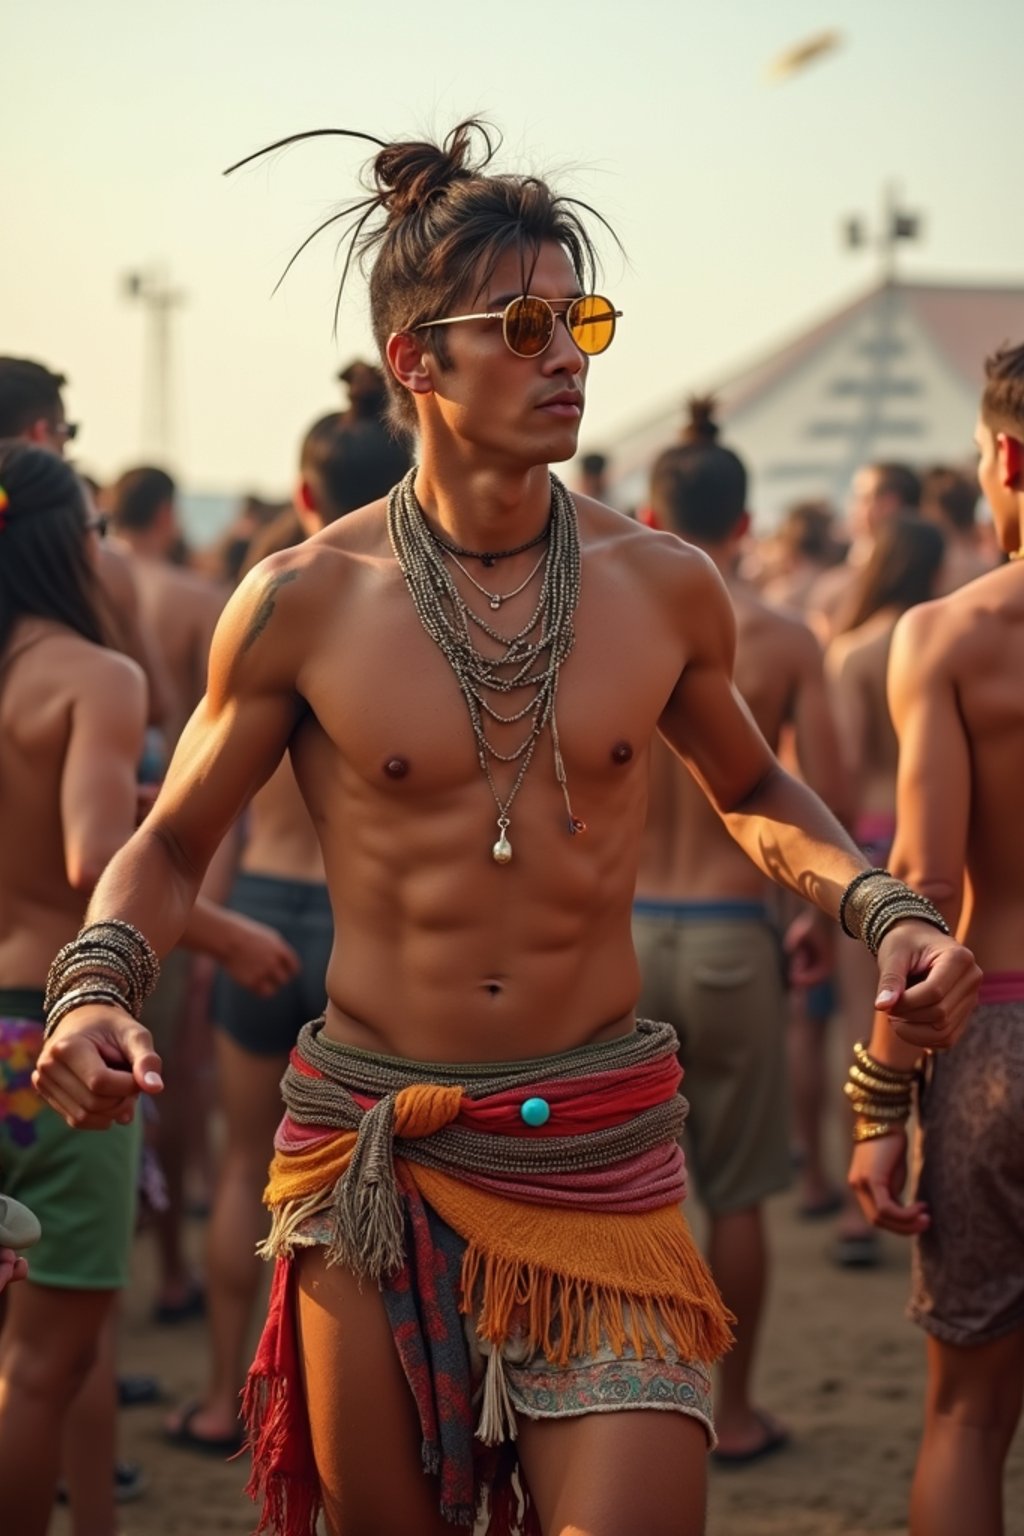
x,y
840,1365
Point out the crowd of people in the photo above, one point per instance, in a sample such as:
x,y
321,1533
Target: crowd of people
x,y
255,763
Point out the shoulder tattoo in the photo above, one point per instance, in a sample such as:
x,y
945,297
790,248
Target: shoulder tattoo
x,y
265,609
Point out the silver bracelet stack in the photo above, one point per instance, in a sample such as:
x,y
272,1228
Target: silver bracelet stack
x,y
875,901
109,962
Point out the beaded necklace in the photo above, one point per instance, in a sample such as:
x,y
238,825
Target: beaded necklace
x,y
531,658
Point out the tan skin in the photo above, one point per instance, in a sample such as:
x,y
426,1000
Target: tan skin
x,y
447,955
954,692
71,721
687,855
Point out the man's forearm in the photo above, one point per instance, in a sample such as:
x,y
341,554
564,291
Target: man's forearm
x,y
147,884
793,837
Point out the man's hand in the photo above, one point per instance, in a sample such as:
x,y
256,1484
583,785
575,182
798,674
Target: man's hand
x,y
257,957
809,948
11,1268
927,984
878,1172
94,1066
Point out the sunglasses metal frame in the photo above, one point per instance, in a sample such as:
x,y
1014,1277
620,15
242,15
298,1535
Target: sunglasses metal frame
x,y
613,315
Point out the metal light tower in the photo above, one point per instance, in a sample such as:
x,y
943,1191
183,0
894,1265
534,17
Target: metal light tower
x,y
153,290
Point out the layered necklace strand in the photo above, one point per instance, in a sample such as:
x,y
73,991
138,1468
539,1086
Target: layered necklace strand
x,y
532,657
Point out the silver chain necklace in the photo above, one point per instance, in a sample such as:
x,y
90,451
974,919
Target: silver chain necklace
x,y
532,656
494,598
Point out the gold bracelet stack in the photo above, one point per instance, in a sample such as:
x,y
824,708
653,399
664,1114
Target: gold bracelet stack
x,y
109,962
880,1096
875,901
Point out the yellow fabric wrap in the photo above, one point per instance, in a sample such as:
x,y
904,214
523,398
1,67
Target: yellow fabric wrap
x,y
567,1277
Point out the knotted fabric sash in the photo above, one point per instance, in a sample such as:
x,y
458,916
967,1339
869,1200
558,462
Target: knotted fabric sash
x,y
572,1230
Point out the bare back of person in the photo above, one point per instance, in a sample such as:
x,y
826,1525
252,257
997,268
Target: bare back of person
x,y
687,855
44,674
857,664
180,610
280,839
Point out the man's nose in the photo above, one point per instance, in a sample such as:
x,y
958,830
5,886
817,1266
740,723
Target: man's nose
x,y
563,355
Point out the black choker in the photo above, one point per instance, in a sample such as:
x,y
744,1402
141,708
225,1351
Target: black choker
x,y
488,556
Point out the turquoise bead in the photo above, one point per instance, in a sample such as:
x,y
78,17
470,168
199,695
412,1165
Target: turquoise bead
x,y
536,1111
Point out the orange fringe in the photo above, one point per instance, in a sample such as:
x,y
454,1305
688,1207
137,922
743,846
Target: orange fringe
x,y
572,1277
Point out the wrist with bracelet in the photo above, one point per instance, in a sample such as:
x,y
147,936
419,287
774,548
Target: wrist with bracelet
x,y
109,962
875,901
880,1096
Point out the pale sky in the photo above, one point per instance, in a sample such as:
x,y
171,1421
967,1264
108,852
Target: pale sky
x,y
117,116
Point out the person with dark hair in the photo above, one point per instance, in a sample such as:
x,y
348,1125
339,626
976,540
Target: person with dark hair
x,y
32,404
345,464
476,1188
706,936
958,708
280,881
806,546
949,499
367,391
594,475
905,569
879,494
72,714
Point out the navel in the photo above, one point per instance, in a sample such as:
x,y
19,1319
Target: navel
x,y
622,752
396,767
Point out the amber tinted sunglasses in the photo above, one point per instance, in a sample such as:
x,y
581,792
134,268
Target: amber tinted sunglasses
x,y
528,323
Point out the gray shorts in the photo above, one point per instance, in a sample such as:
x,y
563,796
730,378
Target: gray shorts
x,y
713,971
301,913
968,1274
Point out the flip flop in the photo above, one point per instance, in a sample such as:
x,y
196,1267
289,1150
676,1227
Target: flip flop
x,y
857,1251
775,1439
138,1391
19,1227
188,1439
168,1314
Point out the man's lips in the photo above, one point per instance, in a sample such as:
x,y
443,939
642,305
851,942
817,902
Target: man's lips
x,y
568,404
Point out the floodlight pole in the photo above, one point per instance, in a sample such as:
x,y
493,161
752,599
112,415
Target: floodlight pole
x,y
153,290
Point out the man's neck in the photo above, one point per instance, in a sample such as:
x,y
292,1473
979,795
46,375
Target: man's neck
x,y
484,508
141,545
724,557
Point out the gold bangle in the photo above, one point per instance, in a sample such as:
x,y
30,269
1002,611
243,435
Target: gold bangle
x,y
873,1130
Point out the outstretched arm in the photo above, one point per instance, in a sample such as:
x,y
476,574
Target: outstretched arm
x,y
100,1058
783,826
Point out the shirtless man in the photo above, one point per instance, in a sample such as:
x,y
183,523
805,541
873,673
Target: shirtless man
x,y
954,689
706,940
343,463
485,932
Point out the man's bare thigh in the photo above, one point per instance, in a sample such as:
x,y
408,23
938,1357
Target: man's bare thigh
x,y
617,1473
366,1434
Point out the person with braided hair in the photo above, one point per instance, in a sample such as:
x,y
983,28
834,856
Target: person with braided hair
x,y
483,1271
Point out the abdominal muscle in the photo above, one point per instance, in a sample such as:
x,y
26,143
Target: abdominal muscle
x,y
442,957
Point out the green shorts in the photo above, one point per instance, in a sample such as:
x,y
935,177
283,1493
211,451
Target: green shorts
x,y
80,1184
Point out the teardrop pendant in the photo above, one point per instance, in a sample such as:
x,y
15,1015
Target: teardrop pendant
x,y
501,853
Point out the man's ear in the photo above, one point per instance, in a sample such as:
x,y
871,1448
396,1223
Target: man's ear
x,y
303,499
407,360
39,431
1011,461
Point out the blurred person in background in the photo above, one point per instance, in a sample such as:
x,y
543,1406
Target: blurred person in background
x,y
879,494
955,690
593,476
366,390
32,410
706,941
905,569
949,499
72,716
343,464
805,547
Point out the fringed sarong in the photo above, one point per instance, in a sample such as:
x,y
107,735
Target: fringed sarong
x,y
571,1231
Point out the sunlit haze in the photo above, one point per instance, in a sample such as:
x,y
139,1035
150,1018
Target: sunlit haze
x,y
727,189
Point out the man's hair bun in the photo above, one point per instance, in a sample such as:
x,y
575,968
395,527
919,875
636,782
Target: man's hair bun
x,y
407,175
701,426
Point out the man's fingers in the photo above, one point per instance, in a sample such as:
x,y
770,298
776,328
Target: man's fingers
x,y
79,1057
76,1115
894,1217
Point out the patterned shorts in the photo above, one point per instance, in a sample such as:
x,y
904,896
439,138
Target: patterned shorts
x,y
602,1382
968,1277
